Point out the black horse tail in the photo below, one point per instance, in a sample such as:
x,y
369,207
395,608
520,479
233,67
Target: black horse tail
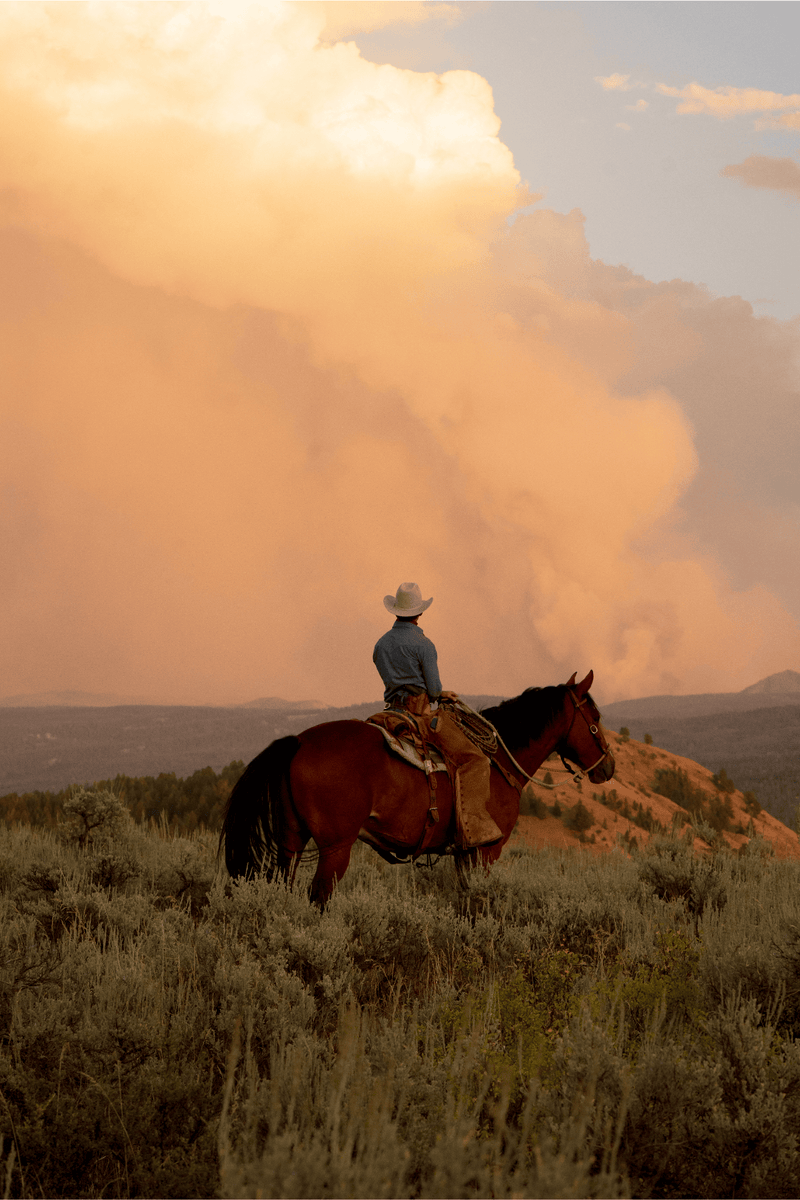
x,y
253,821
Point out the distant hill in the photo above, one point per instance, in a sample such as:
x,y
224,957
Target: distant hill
x,y
46,748
651,708
780,689
783,682
276,702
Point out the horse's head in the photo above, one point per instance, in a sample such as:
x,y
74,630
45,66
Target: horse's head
x,y
584,743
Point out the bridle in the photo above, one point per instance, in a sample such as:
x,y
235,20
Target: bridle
x,y
594,730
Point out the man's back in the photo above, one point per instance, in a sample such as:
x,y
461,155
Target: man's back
x,y
406,659
408,665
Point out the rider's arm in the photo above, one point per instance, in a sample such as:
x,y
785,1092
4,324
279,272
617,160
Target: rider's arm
x,y
430,669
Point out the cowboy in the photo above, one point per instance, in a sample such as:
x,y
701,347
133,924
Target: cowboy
x,y
408,665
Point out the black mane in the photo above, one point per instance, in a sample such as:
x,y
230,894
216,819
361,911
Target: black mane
x,y
524,718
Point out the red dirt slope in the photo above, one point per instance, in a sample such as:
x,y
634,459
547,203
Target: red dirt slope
x,y
633,780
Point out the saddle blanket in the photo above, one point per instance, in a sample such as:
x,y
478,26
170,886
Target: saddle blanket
x,y
404,747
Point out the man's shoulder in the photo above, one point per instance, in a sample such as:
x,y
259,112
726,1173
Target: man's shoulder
x,y
387,638
401,633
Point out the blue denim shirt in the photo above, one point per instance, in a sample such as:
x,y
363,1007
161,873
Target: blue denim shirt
x,y
406,660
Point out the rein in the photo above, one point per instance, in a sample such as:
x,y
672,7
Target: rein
x,y
594,730
486,737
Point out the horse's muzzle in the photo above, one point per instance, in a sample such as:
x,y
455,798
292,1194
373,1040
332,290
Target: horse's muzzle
x,y
604,770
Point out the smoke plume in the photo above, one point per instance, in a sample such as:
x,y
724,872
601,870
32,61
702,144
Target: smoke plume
x,y
271,346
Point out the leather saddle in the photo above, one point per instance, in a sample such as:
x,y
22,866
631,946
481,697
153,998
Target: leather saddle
x,y
405,738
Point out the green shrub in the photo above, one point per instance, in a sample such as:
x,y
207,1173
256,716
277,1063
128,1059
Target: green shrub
x,y
578,818
196,802
637,813
674,784
751,804
671,870
715,810
722,782
717,1115
532,805
94,816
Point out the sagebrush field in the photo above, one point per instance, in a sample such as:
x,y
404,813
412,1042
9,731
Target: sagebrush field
x,y
574,1025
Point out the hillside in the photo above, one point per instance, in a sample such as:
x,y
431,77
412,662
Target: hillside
x,y
760,749
632,785
624,813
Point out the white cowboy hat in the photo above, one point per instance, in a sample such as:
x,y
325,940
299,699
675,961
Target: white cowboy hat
x,y
408,602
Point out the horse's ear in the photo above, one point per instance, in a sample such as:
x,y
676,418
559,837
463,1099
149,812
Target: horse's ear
x,y
571,680
584,685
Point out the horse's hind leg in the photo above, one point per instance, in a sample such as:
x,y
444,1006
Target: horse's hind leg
x,y
333,862
286,863
294,838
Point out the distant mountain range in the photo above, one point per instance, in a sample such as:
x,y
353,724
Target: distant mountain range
x,y
55,739
780,689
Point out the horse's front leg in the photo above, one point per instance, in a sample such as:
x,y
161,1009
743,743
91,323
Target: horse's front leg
x,y
470,860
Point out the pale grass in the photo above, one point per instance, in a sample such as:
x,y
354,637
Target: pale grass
x,y
557,1029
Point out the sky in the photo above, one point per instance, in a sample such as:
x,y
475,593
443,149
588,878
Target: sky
x,y
306,300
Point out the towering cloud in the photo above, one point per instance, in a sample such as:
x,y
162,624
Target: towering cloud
x,y
270,346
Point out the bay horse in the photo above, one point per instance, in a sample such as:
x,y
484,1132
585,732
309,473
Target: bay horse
x,y
338,783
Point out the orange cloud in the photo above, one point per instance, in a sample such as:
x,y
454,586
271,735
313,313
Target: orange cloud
x,y
761,171
615,83
269,347
726,102
735,378
345,17
787,121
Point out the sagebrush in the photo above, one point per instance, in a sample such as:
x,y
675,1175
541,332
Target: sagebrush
x,y
569,1026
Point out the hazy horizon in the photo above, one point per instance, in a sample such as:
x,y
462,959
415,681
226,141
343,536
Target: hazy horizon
x,y
269,702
